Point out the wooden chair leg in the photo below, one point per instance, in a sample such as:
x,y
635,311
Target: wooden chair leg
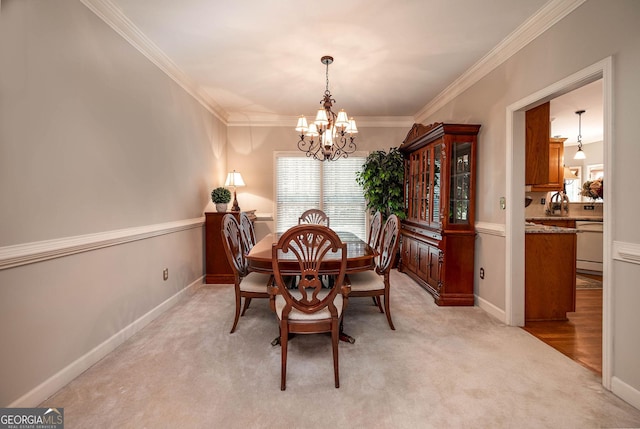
x,y
376,300
386,308
237,315
247,301
284,339
335,333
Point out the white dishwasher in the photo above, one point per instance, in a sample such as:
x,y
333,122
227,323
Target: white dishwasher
x,y
589,253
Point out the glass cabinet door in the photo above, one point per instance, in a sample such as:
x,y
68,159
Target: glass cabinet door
x,y
460,184
437,159
424,196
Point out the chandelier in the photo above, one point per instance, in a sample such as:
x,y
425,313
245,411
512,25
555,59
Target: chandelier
x,y
330,136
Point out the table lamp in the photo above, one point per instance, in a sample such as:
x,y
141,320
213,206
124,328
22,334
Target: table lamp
x,y
234,180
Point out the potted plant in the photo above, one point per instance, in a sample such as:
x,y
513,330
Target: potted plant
x,y
382,179
221,197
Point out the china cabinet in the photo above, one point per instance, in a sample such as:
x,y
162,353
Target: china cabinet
x,y
438,235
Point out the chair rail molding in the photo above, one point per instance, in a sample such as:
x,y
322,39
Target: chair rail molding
x,y
626,252
490,228
28,253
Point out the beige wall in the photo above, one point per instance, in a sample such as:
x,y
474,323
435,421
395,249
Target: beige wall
x,y
563,50
93,138
251,151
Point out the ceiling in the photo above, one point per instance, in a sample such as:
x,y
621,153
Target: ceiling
x,y
251,61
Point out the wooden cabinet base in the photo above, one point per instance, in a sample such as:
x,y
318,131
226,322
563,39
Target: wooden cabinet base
x,y
550,276
221,279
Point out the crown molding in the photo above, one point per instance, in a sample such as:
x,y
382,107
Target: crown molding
x,y
547,16
117,20
244,120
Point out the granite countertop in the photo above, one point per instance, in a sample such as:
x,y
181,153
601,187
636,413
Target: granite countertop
x,y
569,217
534,228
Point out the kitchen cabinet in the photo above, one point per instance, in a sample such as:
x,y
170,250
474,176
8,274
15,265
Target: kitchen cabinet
x,y
544,155
562,223
438,234
555,179
550,275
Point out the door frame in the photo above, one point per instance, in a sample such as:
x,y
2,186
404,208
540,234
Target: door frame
x,y
515,215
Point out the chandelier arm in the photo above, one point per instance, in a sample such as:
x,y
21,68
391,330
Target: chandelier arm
x,y
335,145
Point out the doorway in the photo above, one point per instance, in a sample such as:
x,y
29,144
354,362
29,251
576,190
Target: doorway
x,y
514,231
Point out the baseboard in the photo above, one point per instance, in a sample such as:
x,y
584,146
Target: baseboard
x,y
63,377
494,311
626,392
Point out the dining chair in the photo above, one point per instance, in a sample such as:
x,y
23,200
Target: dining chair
x,y
314,216
376,283
308,308
374,230
248,285
248,233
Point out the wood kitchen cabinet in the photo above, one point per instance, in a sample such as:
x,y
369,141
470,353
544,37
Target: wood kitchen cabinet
x,y
544,155
550,276
438,234
555,179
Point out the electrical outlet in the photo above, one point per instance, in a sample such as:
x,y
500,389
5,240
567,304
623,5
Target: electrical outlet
x,y
165,273
482,273
543,201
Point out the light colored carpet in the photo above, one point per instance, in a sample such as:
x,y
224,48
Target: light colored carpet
x,y
443,367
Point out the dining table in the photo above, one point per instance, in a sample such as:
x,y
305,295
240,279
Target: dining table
x,y
360,257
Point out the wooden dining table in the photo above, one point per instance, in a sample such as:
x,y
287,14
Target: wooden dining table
x,y
360,257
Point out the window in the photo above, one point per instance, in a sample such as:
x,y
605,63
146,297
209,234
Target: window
x,y
574,187
304,183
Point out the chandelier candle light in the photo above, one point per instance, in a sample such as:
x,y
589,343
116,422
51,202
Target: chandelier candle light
x,y
331,136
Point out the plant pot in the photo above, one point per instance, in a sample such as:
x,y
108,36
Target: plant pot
x,y
221,207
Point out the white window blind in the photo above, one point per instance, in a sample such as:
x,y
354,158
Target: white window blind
x,y
304,183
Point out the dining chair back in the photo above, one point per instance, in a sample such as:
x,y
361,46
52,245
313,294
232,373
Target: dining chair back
x,y
248,233
247,285
376,283
314,216
374,230
309,308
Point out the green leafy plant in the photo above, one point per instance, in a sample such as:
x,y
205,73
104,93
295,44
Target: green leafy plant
x,y
221,196
382,179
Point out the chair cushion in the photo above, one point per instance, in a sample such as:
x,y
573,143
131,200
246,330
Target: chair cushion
x,y
299,315
254,282
366,281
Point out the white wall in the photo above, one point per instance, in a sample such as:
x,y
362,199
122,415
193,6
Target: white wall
x,y
93,138
563,50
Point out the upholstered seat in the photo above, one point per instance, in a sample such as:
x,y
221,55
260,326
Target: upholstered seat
x,y
308,308
376,284
246,285
299,315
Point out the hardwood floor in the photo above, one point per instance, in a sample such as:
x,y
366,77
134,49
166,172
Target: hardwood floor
x,y
580,337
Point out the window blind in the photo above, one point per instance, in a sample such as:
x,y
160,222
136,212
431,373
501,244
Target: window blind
x,y
304,183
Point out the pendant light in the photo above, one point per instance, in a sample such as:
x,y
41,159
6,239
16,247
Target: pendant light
x,y
580,153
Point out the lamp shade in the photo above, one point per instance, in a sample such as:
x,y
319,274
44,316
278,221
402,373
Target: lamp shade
x,y
579,154
234,179
569,175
